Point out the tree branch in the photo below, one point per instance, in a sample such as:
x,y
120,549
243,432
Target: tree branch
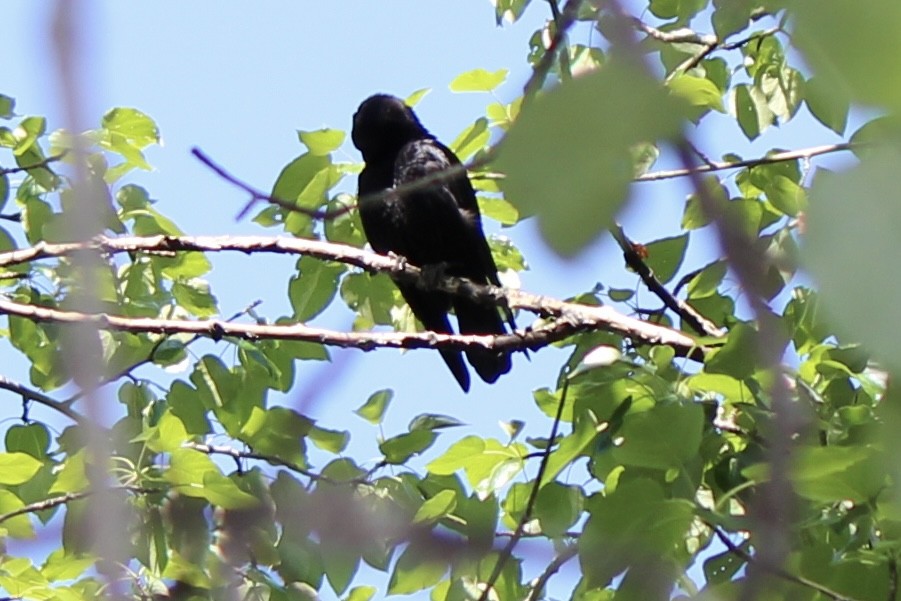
x,y
776,157
552,568
777,571
69,497
29,394
570,318
39,165
695,320
237,454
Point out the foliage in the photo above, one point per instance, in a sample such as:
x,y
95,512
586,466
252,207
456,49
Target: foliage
x,y
766,458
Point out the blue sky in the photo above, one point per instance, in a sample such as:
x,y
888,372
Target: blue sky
x,y
238,83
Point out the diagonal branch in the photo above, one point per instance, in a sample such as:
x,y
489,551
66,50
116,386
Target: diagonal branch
x,y
29,394
695,320
38,165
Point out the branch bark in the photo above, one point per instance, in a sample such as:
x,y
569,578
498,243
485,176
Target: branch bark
x,y
568,318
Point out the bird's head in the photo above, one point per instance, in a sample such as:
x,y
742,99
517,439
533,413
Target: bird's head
x,y
383,125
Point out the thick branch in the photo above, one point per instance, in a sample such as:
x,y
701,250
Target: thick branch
x,y
570,317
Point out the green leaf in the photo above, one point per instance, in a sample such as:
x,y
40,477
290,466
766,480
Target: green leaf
x,y
323,141
472,139
478,80
457,456
18,526
825,474
334,441
665,437
168,435
665,256
7,106
571,447
195,475
433,421
436,508
557,508
133,125
373,410
314,286
33,439
399,449
632,523
194,296
697,92
361,593
745,110
372,296
828,103
576,190
415,571
414,98
737,357
731,16
72,477
17,468
277,431
498,209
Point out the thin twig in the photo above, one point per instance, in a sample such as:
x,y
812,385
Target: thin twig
x,y
39,165
259,196
530,504
695,320
776,570
29,394
777,157
68,498
127,371
238,454
566,20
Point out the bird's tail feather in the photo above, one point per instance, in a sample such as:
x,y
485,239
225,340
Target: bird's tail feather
x,y
475,318
454,361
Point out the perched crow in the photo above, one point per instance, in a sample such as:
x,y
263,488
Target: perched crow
x,y
438,225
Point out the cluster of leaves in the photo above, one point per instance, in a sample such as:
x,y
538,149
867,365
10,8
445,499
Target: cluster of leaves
x,y
657,458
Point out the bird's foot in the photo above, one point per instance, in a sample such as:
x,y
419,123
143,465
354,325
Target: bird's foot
x,y
433,274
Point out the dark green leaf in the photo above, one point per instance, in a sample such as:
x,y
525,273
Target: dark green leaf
x,y
373,410
314,286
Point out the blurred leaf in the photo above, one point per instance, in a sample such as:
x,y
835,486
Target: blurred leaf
x,y
872,218
576,190
842,44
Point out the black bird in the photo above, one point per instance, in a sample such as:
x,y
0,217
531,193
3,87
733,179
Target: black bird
x,y
439,225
